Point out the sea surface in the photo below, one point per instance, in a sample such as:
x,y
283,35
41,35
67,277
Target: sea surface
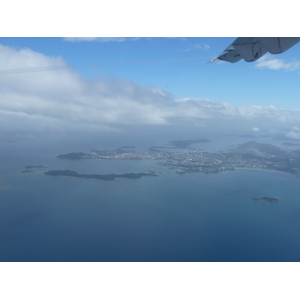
x,y
193,217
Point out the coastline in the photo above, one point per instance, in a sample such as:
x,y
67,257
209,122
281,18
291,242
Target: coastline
x,y
266,170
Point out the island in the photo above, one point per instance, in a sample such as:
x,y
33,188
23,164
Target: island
x,y
28,169
250,155
36,167
107,177
73,155
4,187
267,199
264,148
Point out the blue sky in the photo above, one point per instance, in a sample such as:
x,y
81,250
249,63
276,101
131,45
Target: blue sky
x,y
107,83
239,84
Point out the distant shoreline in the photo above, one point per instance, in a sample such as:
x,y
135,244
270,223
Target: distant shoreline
x,y
106,177
262,169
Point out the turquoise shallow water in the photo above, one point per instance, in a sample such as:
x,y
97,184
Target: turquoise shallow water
x,y
191,217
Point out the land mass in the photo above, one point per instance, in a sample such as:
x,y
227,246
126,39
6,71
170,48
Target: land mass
x,y
264,148
290,144
267,199
73,155
36,167
4,187
107,177
28,169
250,155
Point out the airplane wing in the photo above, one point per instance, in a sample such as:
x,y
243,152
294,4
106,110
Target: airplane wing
x,y
252,48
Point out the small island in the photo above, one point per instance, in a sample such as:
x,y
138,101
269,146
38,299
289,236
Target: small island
x,y
107,177
36,167
267,199
4,187
28,169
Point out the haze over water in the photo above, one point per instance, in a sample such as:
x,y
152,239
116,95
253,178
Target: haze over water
x,y
191,217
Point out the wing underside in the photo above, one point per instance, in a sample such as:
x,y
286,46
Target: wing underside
x,y
252,48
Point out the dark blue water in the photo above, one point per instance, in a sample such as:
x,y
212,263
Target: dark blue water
x,y
192,217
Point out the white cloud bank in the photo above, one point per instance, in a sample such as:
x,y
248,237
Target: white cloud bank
x,y
267,62
293,135
62,99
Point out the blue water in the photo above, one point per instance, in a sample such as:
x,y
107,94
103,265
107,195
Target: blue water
x,y
191,217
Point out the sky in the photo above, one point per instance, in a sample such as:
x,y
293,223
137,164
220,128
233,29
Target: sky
x,y
101,85
104,84
179,66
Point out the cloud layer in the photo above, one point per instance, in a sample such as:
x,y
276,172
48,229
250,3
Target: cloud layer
x,y
267,62
62,99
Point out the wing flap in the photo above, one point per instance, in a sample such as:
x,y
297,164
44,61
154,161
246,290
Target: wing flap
x,y
249,48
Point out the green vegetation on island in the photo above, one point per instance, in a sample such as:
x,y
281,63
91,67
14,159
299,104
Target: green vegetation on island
x,y
107,177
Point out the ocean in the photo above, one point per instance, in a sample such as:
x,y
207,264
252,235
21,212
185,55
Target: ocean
x,y
194,217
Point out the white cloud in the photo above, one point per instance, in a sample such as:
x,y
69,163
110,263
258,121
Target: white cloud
x,y
100,39
63,99
202,46
267,62
293,135
255,129
295,128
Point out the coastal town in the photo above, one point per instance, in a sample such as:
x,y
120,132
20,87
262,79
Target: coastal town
x,y
189,160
